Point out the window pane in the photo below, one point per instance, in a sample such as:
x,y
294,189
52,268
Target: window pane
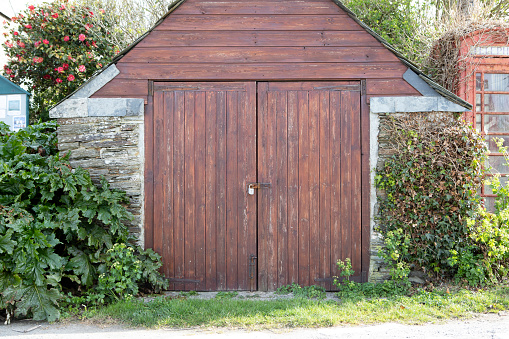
x,y
478,122
496,123
503,182
496,82
498,164
478,82
492,146
496,102
478,105
489,203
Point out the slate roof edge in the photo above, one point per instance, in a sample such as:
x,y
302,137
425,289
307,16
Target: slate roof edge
x,y
439,89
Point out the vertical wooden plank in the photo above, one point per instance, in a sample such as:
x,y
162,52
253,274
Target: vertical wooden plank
x,y
356,170
324,233
159,169
179,193
314,190
346,178
221,191
211,185
335,175
232,190
293,187
242,228
190,191
366,188
168,253
271,148
200,186
263,201
282,188
149,174
250,174
304,188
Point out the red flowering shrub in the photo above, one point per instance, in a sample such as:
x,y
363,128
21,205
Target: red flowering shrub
x,y
53,48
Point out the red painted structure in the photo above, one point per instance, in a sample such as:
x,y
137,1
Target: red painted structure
x,y
484,82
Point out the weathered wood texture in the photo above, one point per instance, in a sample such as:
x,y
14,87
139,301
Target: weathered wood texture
x,y
203,157
258,40
309,149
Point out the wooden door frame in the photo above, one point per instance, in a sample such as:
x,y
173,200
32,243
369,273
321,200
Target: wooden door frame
x,y
148,229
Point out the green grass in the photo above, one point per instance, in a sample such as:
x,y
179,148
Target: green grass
x,y
420,308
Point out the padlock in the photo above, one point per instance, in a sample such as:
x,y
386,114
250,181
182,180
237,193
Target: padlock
x,y
250,190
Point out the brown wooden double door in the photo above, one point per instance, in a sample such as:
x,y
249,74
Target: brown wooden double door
x,y
210,141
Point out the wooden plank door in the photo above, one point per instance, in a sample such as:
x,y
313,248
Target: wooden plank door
x,y
309,150
204,155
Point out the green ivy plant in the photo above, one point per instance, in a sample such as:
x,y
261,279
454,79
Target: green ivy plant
x,y
56,226
429,190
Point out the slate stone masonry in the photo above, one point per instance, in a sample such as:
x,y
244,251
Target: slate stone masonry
x,y
111,147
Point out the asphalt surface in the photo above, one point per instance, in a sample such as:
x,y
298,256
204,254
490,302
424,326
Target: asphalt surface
x,y
483,326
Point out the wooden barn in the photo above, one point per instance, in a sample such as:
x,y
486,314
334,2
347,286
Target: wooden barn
x,y
246,134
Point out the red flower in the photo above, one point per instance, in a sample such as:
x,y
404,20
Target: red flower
x,y
88,26
102,10
99,65
91,13
15,33
46,76
62,8
45,41
31,7
28,26
58,80
65,66
21,44
12,75
60,70
82,37
82,68
66,38
69,57
37,43
38,59
54,15
8,44
70,77
8,71
93,44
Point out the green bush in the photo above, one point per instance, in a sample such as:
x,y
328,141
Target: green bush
x,y
430,189
487,259
56,226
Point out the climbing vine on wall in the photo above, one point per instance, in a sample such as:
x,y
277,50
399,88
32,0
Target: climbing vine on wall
x,y
430,187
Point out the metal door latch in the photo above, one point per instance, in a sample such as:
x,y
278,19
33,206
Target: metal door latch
x,y
251,187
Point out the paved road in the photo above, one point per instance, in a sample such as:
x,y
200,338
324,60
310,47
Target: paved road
x,y
485,326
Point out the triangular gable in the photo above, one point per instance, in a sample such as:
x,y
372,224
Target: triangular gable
x,y
8,87
163,23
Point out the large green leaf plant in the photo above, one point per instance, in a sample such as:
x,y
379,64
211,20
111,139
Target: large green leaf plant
x,y
56,226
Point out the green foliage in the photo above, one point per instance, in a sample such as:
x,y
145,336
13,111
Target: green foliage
x,y
487,259
394,20
307,292
430,186
56,226
226,295
350,290
53,48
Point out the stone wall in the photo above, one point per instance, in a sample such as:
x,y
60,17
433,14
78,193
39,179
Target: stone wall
x,y
378,269
111,147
